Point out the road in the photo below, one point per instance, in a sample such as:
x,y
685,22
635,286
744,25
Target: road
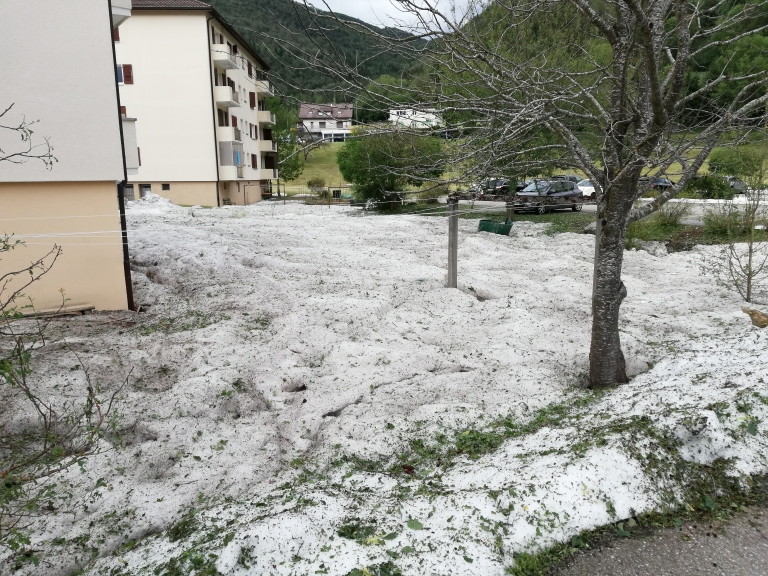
x,y
738,548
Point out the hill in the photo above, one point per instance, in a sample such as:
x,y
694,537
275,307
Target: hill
x,y
272,26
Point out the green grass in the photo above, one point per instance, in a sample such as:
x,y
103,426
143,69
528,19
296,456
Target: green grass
x,y
321,163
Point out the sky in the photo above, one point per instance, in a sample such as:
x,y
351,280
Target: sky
x,y
378,12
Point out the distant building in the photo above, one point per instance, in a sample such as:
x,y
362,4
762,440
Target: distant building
x,y
196,91
416,118
59,70
330,122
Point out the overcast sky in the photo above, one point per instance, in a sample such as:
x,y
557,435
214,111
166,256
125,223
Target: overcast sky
x,y
378,12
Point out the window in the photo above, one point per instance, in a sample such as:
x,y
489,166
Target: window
x,y
252,99
122,111
116,34
322,124
166,186
223,117
311,124
124,74
309,113
254,161
129,192
339,124
250,69
145,189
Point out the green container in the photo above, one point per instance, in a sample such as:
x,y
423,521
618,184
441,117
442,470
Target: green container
x,y
495,227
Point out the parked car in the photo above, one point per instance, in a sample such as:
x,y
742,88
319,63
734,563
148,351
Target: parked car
x,y
586,187
547,195
486,186
655,183
568,177
737,185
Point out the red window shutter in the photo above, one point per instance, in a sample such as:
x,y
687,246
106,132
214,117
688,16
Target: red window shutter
x,y
122,111
127,74
234,121
116,34
254,162
252,97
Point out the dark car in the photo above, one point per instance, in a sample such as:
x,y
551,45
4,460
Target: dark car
x,y
656,183
569,178
545,195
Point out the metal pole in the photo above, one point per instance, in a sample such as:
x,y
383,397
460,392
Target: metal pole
x,y
453,239
510,209
598,232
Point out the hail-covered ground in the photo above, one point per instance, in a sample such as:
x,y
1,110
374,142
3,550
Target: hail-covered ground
x,y
304,396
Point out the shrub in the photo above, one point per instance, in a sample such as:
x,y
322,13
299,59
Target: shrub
x,y
710,187
316,183
671,213
723,221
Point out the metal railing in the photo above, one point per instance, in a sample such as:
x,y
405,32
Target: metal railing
x,y
238,135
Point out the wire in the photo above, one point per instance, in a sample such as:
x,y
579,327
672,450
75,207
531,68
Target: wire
x,y
116,215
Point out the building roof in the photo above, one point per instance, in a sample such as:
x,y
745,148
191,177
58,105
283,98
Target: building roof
x,y
313,111
197,5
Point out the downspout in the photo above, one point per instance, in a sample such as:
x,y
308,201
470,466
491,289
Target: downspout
x,y
121,185
213,109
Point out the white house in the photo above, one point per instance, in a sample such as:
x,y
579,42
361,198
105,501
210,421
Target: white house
x,y
330,122
416,118
58,71
195,91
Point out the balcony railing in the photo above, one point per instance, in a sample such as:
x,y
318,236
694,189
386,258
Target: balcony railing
x,y
238,135
223,57
240,171
226,96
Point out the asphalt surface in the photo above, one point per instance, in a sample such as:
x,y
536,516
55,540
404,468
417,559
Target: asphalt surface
x,y
738,548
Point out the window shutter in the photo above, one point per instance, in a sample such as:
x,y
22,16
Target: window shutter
x,y
116,34
138,151
252,96
127,74
254,162
122,111
250,69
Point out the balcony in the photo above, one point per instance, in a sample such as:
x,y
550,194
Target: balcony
x,y
231,155
228,133
266,174
265,117
267,146
264,87
226,96
223,58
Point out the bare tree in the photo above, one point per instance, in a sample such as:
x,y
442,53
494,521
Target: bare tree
x,y
29,150
606,90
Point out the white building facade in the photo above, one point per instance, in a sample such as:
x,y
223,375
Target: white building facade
x,y
195,92
58,71
328,122
416,118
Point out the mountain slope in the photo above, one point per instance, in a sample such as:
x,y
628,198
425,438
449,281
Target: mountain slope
x,y
271,25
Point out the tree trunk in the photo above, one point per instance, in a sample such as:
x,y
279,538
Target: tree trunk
x,y
606,360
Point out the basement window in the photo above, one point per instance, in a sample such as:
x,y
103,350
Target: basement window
x,y
166,186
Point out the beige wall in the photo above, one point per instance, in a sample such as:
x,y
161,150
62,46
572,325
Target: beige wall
x,y
241,192
82,218
182,193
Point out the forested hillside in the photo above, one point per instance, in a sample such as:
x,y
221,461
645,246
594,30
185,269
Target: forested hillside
x,y
271,25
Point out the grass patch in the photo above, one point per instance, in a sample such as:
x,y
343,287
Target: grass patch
x,y
321,163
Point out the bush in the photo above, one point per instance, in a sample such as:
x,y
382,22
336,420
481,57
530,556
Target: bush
x,y
723,221
671,213
314,183
709,187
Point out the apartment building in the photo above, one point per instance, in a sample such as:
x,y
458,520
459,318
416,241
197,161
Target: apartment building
x,y
195,91
329,122
58,78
